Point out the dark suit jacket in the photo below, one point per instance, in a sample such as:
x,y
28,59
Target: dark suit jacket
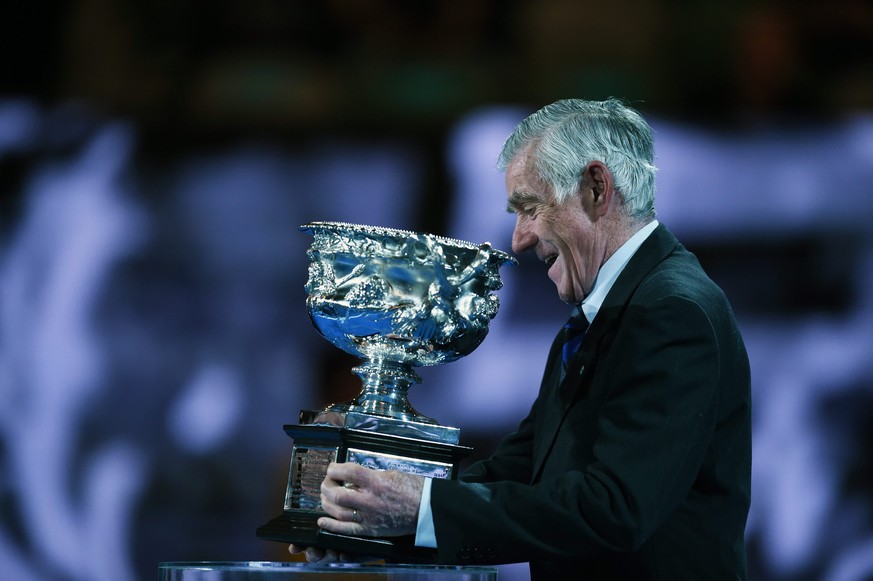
x,y
638,465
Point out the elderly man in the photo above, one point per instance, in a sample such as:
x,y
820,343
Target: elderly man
x,y
635,459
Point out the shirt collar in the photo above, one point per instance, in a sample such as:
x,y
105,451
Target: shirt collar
x,y
610,270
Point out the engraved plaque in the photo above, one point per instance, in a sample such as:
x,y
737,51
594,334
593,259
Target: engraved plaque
x,y
381,461
308,467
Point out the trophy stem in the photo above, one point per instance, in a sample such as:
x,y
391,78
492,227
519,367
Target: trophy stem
x,y
385,392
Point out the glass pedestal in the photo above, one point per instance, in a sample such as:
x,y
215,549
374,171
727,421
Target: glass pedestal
x,y
282,571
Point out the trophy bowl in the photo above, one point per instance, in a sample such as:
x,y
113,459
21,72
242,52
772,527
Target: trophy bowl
x,y
398,300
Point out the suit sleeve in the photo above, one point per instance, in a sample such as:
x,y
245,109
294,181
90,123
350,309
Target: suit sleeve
x,y
651,432
512,460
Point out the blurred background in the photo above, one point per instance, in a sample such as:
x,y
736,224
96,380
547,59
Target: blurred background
x,y
157,158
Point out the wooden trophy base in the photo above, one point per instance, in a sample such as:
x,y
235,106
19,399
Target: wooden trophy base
x,y
315,446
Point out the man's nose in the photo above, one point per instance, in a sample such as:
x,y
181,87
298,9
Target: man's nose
x,y
523,236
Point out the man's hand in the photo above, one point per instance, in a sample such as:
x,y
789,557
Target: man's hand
x,y
365,502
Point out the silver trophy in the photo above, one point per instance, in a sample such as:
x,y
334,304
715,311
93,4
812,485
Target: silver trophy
x,y
398,300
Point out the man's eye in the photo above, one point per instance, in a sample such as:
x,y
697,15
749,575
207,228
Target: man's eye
x,y
526,210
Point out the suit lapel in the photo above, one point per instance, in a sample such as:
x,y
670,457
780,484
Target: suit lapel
x,y
575,385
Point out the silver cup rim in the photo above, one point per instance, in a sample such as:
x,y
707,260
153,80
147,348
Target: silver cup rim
x,y
400,233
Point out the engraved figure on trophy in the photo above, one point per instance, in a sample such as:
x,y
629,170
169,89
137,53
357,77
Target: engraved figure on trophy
x,y
396,299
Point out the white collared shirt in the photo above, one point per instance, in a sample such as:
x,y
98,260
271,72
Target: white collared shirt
x,y
613,267
425,535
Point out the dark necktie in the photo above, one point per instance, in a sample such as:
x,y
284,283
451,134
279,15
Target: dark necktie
x,y
574,331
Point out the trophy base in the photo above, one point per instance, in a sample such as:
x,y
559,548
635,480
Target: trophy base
x,y
316,446
301,530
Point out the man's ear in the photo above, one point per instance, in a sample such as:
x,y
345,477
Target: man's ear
x,y
602,186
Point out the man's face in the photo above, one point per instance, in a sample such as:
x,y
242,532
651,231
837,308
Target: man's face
x,y
564,236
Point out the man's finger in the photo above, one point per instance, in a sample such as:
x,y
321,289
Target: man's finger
x,y
342,513
341,496
295,549
340,527
346,473
314,554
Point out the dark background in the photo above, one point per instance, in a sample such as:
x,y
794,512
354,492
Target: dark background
x,y
157,158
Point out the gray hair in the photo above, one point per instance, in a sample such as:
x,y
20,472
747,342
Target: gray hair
x,y
569,134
